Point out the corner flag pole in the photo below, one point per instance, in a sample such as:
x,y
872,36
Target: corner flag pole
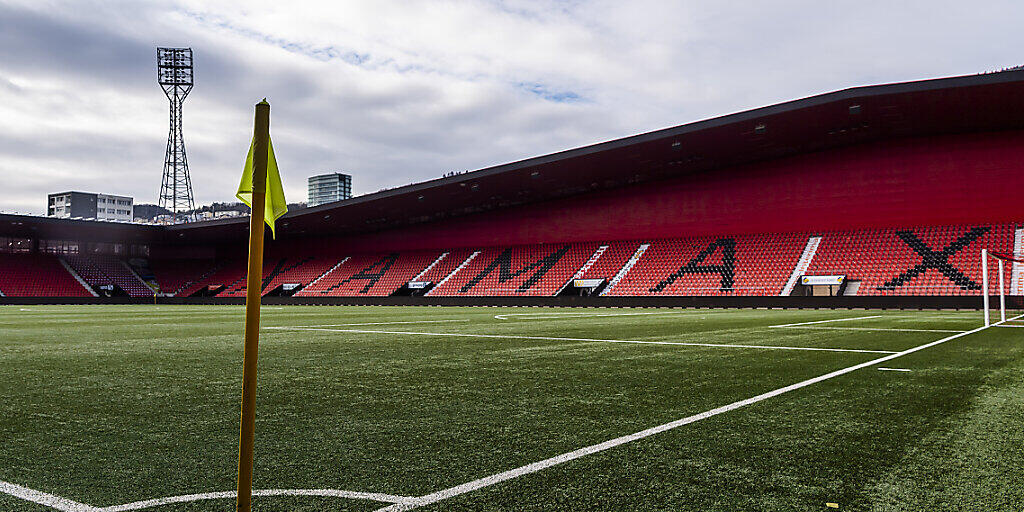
x,y
247,432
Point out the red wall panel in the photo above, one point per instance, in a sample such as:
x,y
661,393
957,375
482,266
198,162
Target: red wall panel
x,y
959,179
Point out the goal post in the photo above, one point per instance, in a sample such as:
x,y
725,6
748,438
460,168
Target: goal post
x,y
986,289
1002,294
984,285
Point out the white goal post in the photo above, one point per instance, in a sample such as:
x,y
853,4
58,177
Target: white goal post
x,y
985,288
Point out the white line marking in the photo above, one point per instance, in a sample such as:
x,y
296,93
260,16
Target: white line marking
x,y
582,452
550,338
408,503
894,369
532,316
333,493
895,329
42,498
1007,325
66,505
375,323
827,321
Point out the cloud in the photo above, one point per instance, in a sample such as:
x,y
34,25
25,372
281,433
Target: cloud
x,y
396,92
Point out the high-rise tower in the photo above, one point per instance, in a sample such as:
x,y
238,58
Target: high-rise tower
x,y
174,73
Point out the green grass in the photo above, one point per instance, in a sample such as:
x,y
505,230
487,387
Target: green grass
x,y
107,405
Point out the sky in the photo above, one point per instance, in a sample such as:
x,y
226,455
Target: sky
x,y
397,92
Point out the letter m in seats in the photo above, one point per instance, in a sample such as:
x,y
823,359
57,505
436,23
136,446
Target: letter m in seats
x,y
503,264
938,260
727,270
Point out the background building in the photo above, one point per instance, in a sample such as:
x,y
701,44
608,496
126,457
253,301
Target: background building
x,y
86,205
328,188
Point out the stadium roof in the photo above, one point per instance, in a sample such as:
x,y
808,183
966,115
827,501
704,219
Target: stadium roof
x,y
974,103
52,228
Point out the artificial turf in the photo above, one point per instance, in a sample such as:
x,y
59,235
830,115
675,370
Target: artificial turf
x,y
107,405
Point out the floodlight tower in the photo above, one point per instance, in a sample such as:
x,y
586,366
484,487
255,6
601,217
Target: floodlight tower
x,y
174,73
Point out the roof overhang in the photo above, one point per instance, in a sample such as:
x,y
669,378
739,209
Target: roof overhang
x,y
975,103
52,228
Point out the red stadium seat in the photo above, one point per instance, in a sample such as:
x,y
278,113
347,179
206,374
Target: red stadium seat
x,y
889,261
99,270
37,275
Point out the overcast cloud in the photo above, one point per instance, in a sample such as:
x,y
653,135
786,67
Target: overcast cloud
x,y
395,92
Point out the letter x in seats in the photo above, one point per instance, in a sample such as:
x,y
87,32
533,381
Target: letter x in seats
x,y
939,260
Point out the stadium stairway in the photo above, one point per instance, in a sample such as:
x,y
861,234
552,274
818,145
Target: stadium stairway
x,y
802,265
433,264
586,266
227,274
108,270
629,259
372,275
448,269
239,287
302,273
174,276
527,270
77,277
730,265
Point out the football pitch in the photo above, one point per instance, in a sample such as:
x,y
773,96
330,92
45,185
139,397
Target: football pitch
x,y
118,408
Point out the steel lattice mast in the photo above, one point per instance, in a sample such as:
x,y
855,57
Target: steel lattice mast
x,y
174,73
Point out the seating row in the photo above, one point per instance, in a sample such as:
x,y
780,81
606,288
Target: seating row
x,y
932,260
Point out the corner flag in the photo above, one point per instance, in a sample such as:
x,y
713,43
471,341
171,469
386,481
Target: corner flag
x,y
261,190
276,205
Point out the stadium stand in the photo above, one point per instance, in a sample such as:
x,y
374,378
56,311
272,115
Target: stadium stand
x,y
741,265
108,270
611,260
338,275
227,274
729,265
526,270
37,275
443,267
271,267
743,205
936,260
302,273
371,275
408,266
174,275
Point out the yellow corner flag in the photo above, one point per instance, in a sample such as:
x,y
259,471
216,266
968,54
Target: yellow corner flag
x,y
276,205
261,190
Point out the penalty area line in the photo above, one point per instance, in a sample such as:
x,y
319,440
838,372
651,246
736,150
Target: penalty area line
x,y
827,321
376,323
590,340
893,329
618,441
577,314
